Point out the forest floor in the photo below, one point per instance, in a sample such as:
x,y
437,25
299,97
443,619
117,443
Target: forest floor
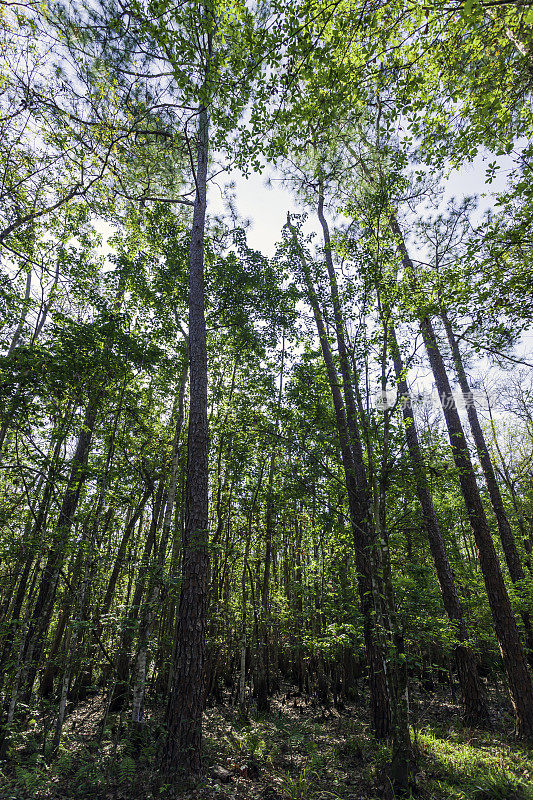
x,y
300,751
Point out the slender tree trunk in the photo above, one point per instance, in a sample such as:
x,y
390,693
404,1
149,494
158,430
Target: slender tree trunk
x,y
361,480
243,637
119,692
244,596
73,635
56,444
120,557
43,607
184,713
511,488
23,564
473,692
358,507
46,305
514,565
516,570
23,314
156,581
515,663
103,480
18,671
263,668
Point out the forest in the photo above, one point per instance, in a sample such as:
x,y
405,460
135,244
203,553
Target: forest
x,y
266,489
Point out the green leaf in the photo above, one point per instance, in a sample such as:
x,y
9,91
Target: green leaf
x,y
467,9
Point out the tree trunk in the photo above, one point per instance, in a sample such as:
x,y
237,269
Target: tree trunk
x,y
119,691
43,607
23,315
262,687
473,693
515,663
184,714
119,559
262,669
36,537
358,507
512,559
73,634
361,481
154,589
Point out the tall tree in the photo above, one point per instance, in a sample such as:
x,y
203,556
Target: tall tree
x,y
520,683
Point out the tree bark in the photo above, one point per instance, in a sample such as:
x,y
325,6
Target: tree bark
x,y
23,314
361,481
119,692
184,713
473,693
515,663
358,508
156,581
262,687
119,559
512,559
43,607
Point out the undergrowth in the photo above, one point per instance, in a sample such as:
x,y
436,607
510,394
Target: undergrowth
x,y
282,756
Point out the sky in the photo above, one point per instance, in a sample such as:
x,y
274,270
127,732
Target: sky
x,y
264,201
267,205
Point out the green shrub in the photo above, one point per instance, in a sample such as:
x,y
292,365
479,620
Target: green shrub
x,y
302,787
